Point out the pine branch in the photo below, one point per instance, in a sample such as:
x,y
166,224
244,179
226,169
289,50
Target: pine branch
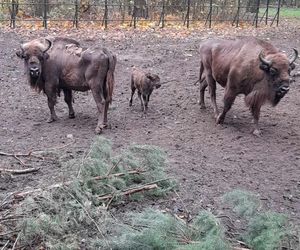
x,y
21,195
129,191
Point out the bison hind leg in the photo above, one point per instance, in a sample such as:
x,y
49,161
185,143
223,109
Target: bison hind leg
x,y
132,94
69,100
203,85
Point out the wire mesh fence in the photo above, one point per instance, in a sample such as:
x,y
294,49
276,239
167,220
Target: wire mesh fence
x,y
106,13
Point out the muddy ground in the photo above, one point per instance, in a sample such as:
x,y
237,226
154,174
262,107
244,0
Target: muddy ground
x,y
206,160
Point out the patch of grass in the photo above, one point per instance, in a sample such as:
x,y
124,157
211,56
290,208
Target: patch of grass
x,y
284,12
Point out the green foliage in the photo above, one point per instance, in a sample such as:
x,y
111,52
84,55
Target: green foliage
x,y
266,231
153,229
61,217
244,203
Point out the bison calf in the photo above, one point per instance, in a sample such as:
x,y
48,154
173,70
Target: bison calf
x,y
144,83
246,66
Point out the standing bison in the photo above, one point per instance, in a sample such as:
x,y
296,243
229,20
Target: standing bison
x,y
145,84
246,66
59,64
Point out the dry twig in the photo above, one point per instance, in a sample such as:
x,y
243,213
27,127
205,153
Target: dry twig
x,y
21,195
15,244
129,191
19,171
7,242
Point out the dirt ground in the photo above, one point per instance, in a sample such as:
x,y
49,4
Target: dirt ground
x,y
206,160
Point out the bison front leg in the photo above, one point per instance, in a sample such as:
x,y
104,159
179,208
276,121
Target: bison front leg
x,y
256,112
51,95
229,98
68,100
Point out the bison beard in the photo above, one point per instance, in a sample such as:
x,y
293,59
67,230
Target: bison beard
x,y
52,66
246,66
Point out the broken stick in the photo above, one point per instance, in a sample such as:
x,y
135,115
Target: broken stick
x,y
19,171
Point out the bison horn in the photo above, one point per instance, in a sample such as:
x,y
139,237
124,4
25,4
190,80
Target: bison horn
x,y
38,43
264,60
295,56
49,44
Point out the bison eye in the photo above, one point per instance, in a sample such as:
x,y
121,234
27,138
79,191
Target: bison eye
x,y
273,72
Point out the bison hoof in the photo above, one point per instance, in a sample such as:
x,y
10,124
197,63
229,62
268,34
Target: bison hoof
x,y
257,132
202,106
219,119
72,116
99,128
130,104
52,119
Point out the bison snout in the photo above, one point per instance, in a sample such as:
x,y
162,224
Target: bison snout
x,y
34,71
284,88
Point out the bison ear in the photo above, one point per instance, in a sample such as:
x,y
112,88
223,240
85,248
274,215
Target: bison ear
x,y
157,85
149,75
46,56
20,54
264,67
293,66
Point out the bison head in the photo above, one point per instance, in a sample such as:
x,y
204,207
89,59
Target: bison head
x,y
34,54
154,79
277,68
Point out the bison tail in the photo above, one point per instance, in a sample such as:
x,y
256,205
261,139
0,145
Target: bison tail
x,y
110,79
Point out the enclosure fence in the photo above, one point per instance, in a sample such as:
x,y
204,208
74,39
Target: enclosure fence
x,y
159,13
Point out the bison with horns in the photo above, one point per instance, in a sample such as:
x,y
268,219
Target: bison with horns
x,y
246,66
57,64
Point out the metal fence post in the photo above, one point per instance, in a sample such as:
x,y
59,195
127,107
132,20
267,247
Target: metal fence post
x,y
134,14
237,16
277,14
188,14
162,15
256,14
45,25
75,21
278,11
13,14
267,11
105,17
208,19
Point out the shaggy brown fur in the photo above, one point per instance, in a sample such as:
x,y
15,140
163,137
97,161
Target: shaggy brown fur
x,y
144,83
57,64
246,66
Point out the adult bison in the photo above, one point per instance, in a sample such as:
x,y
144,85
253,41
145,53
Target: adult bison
x,y
246,66
57,64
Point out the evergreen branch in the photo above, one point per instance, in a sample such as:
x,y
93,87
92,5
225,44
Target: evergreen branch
x,y
21,195
90,217
7,242
129,191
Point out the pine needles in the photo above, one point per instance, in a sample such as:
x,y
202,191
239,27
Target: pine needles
x,y
59,218
75,214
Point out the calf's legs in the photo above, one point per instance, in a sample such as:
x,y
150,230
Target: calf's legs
x,y
132,93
